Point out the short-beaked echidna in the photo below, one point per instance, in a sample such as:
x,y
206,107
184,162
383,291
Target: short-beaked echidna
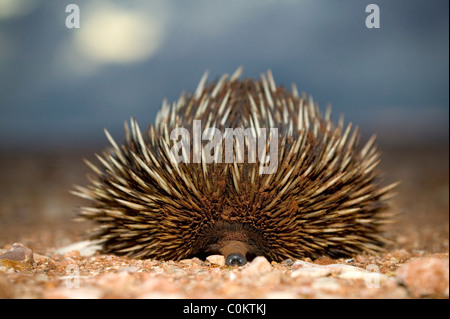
x,y
324,197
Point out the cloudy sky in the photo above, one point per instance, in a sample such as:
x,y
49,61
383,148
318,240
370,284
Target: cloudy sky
x,y
59,87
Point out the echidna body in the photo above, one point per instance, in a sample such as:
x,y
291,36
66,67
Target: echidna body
x,y
324,199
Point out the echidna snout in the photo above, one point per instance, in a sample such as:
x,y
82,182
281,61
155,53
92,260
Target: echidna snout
x,y
234,252
235,241
235,260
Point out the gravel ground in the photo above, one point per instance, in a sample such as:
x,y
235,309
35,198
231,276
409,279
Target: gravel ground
x,y
36,210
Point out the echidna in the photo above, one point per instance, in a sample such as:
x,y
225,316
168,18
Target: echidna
x,y
324,197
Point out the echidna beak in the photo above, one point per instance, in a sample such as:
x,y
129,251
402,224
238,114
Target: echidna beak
x,y
235,260
234,252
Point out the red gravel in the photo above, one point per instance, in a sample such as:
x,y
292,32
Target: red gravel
x,y
36,210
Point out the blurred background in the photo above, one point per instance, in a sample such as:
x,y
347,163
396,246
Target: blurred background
x,y
59,86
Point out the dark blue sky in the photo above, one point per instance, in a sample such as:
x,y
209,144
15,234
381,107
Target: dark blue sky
x,y
59,87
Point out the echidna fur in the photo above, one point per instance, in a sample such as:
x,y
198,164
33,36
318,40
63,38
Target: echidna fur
x,y
325,199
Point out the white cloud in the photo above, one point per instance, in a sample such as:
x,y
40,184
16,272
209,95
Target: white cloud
x,y
16,8
111,34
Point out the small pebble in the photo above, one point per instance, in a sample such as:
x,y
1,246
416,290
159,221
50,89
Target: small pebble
x,y
309,270
18,257
186,262
216,260
258,265
324,261
426,276
326,283
287,262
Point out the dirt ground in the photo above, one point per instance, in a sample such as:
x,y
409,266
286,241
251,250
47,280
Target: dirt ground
x,y
36,209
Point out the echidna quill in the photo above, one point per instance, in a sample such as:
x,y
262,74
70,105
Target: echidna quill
x,y
322,197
